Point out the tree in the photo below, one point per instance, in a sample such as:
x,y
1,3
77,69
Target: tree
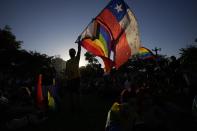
x,y
20,65
189,56
9,55
93,68
8,40
59,64
90,58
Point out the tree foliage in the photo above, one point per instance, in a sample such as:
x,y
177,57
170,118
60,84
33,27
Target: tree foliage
x,y
18,64
93,68
90,58
59,65
189,57
8,40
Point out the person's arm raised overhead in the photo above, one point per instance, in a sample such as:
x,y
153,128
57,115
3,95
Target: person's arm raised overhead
x,y
79,51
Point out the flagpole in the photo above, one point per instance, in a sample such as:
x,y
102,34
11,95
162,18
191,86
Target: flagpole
x,y
77,41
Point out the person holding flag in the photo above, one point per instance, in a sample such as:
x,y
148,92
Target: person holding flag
x,y
73,77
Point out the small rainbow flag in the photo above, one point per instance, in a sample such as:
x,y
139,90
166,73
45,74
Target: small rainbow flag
x,y
145,53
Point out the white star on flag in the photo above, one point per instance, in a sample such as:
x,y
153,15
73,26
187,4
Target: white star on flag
x,y
118,7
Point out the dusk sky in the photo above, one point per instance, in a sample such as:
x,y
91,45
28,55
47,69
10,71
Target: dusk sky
x,y
52,26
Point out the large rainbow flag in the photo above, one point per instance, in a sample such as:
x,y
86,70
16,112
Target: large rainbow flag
x,y
114,30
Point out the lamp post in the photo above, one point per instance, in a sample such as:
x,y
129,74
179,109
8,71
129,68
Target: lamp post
x,y
156,50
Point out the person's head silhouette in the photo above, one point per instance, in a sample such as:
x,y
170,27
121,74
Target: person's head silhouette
x,y
72,52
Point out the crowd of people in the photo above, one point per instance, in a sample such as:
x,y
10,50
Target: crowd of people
x,y
156,97
149,92
144,94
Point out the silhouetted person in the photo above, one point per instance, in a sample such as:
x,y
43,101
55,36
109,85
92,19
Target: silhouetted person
x,y
73,77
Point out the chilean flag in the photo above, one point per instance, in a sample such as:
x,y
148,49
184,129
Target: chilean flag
x,y
121,25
